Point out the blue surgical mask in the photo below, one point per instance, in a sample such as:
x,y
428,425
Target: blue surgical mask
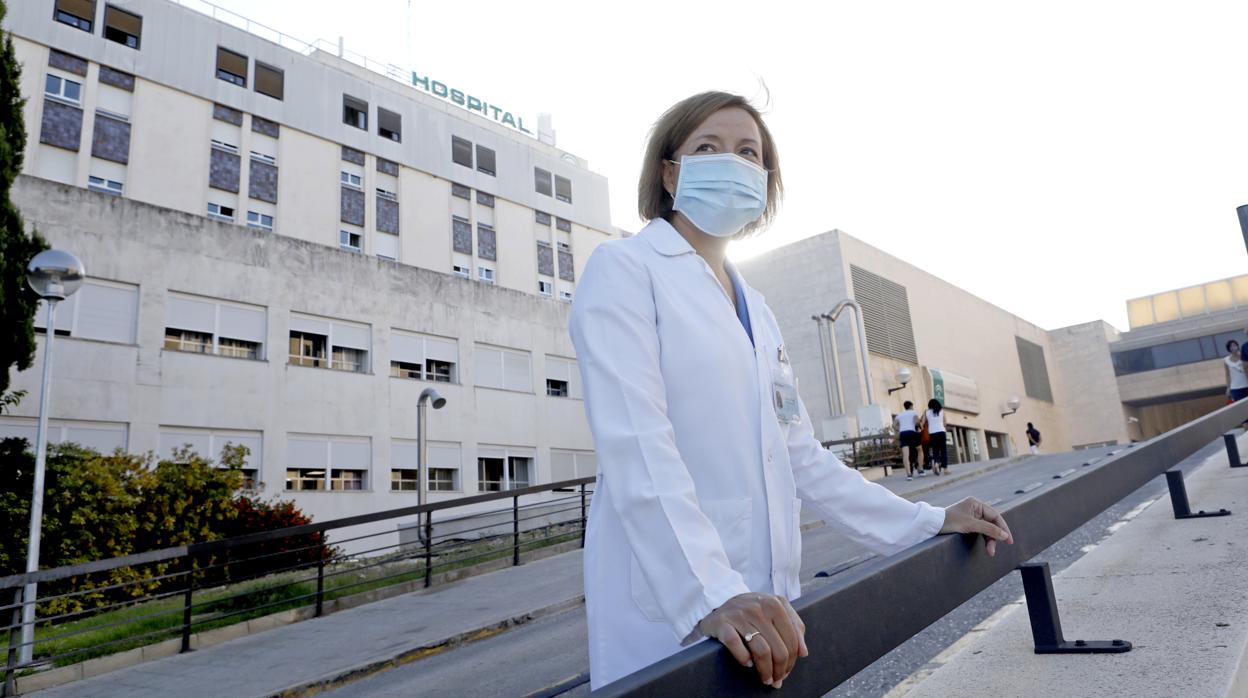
x,y
720,193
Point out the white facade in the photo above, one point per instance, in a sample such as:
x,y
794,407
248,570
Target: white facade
x,y
275,242
335,430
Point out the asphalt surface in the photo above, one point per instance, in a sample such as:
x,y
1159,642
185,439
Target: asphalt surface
x,y
547,656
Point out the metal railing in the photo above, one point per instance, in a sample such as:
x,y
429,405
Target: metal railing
x,y
867,611
172,593
882,449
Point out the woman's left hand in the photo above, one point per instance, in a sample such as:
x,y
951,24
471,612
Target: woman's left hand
x,y
973,516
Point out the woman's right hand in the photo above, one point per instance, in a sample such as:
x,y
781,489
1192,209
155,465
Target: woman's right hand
x,y
777,634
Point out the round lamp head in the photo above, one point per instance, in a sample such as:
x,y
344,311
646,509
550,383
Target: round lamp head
x,y
55,274
434,398
1013,402
903,375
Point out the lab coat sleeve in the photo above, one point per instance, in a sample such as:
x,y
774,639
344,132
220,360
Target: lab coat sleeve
x,y
864,511
679,552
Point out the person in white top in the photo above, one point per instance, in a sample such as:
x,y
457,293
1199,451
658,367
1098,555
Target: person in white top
x,y
934,418
703,446
907,424
1236,379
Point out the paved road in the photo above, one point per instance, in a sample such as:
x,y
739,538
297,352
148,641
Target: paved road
x,y
536,656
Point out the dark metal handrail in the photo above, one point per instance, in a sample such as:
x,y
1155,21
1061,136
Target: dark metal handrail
x,y
209,547
866,612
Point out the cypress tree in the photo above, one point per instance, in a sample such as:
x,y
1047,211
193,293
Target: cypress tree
x,y
17,302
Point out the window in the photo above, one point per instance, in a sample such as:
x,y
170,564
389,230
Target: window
x,y
63,88
270,81
423,357
231,67
542,218
461,151
262,221
460,270
443,466
205,326
461,191
333,344
101,310
208,443
562,378
305,479
563,225
404,480
387,194
461,235
346,480
563,189
122,27
565,296
220,212
185,340
75,13
263,157
545,288
505,369
350,241
389,125
502,469
569,465
310,458
104,186
355,112
351,180
222,145
307,349
484,199
104,437
563,246
542,181
485,274
485,160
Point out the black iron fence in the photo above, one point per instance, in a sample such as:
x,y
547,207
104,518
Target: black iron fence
x,y
105,606
869,610
874,450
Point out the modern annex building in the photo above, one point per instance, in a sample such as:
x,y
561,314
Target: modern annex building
x,y
1082,386
285,247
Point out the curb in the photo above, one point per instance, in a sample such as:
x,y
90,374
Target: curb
x,y
366,669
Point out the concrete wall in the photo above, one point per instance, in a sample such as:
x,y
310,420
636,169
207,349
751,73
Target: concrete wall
x,y
1080,361
147,387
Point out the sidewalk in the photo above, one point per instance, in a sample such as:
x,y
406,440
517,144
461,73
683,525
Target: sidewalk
x,y
299,659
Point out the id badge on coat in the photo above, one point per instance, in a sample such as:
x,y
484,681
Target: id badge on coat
x,y
784,390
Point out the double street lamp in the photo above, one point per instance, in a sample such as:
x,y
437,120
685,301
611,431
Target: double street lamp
x,y
55,275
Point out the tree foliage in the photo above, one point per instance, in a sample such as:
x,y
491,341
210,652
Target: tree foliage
x,y
17,302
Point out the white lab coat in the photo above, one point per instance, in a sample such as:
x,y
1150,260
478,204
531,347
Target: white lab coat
x,y
698,482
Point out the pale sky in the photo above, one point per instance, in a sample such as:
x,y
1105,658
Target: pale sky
x,y
1053,158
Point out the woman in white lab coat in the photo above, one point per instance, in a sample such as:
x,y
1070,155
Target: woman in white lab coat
x,y
703,446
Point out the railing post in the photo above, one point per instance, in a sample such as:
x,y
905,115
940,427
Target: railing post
x,y
582,515
1046,627
320,584
515,530
189,565
15,631
1178,498
428,548
1232,450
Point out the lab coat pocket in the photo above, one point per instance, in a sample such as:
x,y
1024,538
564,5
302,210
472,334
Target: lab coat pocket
x,y
731,519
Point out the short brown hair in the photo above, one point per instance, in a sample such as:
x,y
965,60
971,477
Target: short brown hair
x,y
674,128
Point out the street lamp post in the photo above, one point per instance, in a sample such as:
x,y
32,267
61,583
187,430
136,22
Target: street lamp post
x,y
55,275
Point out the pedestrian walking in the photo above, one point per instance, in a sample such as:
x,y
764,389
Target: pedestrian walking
x,y
934,420
1033,438
1236,378
694,532
907,424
